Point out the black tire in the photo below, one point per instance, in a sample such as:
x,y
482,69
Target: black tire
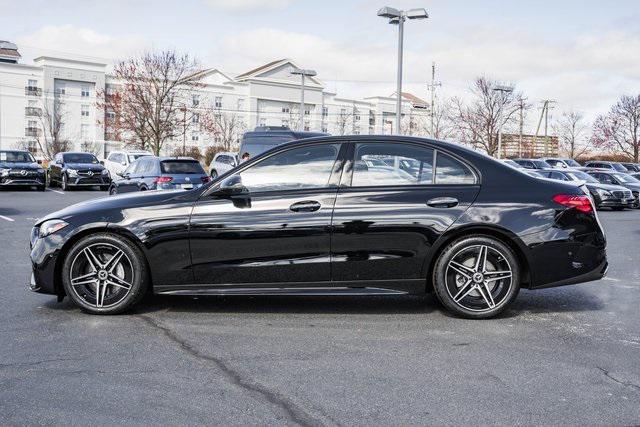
x,y
130,269
113,191
465,293
63,184
42,187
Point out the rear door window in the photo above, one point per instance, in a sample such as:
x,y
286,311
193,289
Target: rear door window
x,y
404,164
452,171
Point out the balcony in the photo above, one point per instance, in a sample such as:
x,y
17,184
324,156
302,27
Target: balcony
x,y
30,131
32,111
32,91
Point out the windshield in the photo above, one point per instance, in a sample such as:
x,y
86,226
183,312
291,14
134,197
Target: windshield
x,y
16,157
541,164
134,157
80,158
581,176
181,167
572,163
255,149
619,167
627,179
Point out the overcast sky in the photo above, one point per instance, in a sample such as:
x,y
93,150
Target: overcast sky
x,y
584,54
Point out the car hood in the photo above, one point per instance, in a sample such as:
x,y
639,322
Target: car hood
x,y
608,187
632,186
105,208
11,165
89,166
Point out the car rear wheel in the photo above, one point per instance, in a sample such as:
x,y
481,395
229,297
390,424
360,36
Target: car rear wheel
x,y
476,277
105,274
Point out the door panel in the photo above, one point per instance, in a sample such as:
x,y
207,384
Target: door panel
x,y
244,239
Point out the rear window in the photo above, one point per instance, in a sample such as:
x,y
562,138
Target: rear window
x,y
181,167
255,145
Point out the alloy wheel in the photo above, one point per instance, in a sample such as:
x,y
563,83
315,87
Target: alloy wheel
x,y
479,278
102,275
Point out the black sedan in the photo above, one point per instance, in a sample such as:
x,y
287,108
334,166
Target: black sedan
x,y
618,178
302,219
78,170
533,163
19,169
611,196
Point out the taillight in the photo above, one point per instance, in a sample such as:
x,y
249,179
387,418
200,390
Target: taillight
x,y
582,203
206,179
163,179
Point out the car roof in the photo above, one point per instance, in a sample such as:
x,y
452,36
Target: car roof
x,y
284,132
75,152
14,151
186,158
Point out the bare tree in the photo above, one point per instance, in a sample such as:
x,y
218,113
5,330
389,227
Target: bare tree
x,y
479,120
91,147
51,140
225,128
619,129
155,90
570,129
342,121
443,122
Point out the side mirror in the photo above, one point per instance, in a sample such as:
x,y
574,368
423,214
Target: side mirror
x,y
102,162
232,186
124,163
122,174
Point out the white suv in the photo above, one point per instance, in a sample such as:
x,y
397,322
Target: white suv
x,y
222,163
118,161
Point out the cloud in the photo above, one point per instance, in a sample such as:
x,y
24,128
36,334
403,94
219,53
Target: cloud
x,y
72,41
586,72
248,5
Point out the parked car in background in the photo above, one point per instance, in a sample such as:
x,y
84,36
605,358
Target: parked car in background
x,y
264,138
601,164
631,167
512,163
74,169
160,173
117,161
532,163
618,178
604,195
558,162
222,163
18,168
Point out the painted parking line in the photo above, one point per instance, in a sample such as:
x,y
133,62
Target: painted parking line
x,y
55,191
6,218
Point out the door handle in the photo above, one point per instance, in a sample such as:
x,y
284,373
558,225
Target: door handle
x,y
443,202
306,206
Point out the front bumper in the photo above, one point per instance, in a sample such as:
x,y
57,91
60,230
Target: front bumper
x,y
79,181
617,203
22,182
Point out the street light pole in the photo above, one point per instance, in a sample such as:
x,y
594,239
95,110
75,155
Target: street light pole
x,y
502,90
398,17
303,74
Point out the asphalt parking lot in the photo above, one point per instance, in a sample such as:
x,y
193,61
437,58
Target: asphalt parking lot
x,y
563,356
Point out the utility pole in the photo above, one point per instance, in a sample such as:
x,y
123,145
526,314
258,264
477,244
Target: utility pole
x,y
432,88
302,74
521,127
544,114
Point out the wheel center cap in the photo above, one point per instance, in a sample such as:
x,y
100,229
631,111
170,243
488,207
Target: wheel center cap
x,y
102,274
477,277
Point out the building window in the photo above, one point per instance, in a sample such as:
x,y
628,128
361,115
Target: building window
x,y
195,137
307,111
84,131
286,110
32,146
356,116
84,92
263,122
356,130
343,111
61,89
33,84
195,100
218,102
84,111
324,129
240,104
110,90
307,128
325,111
111,116
195,119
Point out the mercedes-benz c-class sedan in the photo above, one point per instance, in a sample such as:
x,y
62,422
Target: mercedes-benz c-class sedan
x,y
313,218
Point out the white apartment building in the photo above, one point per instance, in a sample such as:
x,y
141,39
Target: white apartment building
x,y
265,96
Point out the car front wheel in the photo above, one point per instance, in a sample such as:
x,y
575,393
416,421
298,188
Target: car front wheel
x,y
476,277
105,274
64,186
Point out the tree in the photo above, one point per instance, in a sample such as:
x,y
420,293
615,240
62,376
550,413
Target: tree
x,y
155,91
193,152
443,123
51,140
619,129
479,120
342,121
570,129
226,129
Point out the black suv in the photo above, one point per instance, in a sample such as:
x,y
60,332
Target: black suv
x,y
619,178
78,170
264,138
19,169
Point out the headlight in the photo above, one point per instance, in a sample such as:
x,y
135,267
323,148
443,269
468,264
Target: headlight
x,y
51,226
72,172
603,193
40,170
4,172
105,172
